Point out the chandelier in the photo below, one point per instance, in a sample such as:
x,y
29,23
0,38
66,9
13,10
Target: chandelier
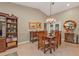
x,y
50,19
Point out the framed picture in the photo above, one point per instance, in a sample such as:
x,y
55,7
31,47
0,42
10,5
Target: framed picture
x,y
34,25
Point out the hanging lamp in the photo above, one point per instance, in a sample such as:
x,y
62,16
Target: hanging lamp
x,y
50,19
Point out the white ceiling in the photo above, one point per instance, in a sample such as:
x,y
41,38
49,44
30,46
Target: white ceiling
x,y
45,6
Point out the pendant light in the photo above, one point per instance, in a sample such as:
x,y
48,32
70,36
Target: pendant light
x,y
50,19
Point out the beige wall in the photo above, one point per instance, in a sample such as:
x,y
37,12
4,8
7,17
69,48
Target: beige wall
x,y
25,15
72,14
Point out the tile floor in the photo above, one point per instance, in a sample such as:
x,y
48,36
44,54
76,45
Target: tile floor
x,y
30,49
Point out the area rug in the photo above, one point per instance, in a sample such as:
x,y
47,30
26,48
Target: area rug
x,y
12,54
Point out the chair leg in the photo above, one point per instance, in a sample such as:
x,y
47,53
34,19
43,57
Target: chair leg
x,y
50,50
57,45
44,50
38,46
54,48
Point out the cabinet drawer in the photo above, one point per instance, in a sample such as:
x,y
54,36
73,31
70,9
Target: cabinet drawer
x,y
11,44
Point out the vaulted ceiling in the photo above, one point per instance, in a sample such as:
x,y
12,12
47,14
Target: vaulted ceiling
x,y
45,6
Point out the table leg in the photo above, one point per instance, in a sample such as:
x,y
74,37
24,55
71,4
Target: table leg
x,y
50,50
50,46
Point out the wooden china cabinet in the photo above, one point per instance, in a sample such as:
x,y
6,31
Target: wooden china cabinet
x,y
8,31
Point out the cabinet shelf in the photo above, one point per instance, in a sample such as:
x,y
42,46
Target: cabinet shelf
x,y
11,41
11,33
11,28
11,23
11,45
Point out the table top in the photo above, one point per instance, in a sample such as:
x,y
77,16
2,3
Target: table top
x,y
50,36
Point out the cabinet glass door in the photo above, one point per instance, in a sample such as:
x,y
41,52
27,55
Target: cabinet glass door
x,y
2,27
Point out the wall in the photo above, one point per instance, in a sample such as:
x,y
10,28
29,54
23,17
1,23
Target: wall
x,y
71,14
25,15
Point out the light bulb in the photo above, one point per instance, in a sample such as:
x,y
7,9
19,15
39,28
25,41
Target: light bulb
x,y
68,4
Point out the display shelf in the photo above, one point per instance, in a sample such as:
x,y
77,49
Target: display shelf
x,y
11,41
8,27
11,23
11,32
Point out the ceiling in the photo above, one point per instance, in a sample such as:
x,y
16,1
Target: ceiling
x,y
45,6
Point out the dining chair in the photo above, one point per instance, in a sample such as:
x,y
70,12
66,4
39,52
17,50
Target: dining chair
x,y
49,44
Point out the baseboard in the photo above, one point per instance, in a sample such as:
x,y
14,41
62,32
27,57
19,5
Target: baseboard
x,y
23,42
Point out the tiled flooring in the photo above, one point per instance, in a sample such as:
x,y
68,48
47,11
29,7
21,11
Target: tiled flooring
x,y
30,49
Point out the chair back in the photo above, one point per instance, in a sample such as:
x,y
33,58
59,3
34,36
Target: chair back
x,y
41,34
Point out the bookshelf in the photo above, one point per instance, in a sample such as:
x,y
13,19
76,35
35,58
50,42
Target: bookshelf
x,y
11,32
